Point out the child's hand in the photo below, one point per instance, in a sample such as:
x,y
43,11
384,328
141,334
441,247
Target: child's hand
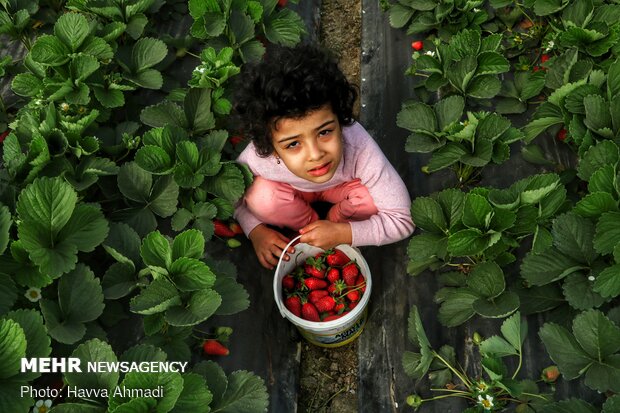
x,y
268,245
326,234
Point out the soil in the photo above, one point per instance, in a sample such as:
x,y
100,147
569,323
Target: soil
x,y
329,376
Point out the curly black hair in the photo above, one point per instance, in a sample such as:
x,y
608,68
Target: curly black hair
x,y
289,83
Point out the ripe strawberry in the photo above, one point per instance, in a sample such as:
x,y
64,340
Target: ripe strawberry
x,y
339,308
544,58
353,304
336,258
536,68
214,348
4,135
349,274
337,288
315,283
333,275
235,140
316,295
561,135
353,295
333,317
236,228
361,282
325,304
222,230
288,282
417,45
309,312
315,267
282,3
293,304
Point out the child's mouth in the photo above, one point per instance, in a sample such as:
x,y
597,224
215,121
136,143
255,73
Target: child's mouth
x,y
321,170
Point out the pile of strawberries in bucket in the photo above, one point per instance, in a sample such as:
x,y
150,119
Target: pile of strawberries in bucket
x,y
324,288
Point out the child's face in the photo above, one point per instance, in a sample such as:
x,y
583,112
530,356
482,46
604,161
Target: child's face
x,y
311,146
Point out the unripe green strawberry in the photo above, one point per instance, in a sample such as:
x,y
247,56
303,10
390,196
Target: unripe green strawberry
x,y
414,401
550,374
233,243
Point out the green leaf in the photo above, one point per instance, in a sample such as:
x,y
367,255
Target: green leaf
x,y
146,53
602,154
39,343
72,29
613,80
156,251
62,330
596,334
245,393
26,84
415,329
198,110
607,283
456,307
49,50
80,296
285,27
595,204
461,72
157,297
547,267
227,184
195,395
154,159
579,293
597,113
573,235
604,376
484,87
467,242
86,229
189,244
559,72
449,110
491,63
428,215
93,351
421,143
162,114
12,348
215,377
446,156
201,305
564,350
171,383
190,274
477,212
487,280
119,280
234,296
497,347
417,117
607,234
498,307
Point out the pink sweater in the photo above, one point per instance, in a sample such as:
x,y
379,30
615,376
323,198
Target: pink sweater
x,y
363,159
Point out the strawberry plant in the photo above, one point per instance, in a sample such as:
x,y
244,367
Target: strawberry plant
x,y
105,141
465,146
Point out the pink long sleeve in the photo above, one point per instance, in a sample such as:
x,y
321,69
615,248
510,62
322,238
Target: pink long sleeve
x,y
362,159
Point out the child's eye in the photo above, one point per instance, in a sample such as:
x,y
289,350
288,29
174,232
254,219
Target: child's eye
x,y
325,132
292,145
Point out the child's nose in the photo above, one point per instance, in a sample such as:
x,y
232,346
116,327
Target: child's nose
x,y
315,151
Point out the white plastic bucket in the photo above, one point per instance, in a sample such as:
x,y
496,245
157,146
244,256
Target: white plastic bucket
x,y
333,333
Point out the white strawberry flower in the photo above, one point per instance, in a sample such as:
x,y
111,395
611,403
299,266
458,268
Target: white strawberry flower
x,y
486,402
550,46
591,278
42,406
33,294
430,53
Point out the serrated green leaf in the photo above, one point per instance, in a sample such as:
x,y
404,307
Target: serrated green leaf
x,y
72,29
156,250
157,297
547,267
573,235
246,393
80,296
607,234
456,307
417,117
234,296
201,305
487,280
594,204
12,348
49,50
564,350
596,334
190,274
498,307
93,351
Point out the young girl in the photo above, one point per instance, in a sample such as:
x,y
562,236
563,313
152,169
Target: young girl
x,y
296,106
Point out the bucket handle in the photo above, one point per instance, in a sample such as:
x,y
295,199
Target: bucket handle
x,y
291,242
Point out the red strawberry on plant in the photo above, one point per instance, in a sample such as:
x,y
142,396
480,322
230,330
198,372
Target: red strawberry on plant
x,y
221,229
544,58
235,140
4,135
314,283
316,295
293,304
325,304
561,135
309,312
417,45
333,275
288,282
350,273
336,258
214,348
282,3
236,228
